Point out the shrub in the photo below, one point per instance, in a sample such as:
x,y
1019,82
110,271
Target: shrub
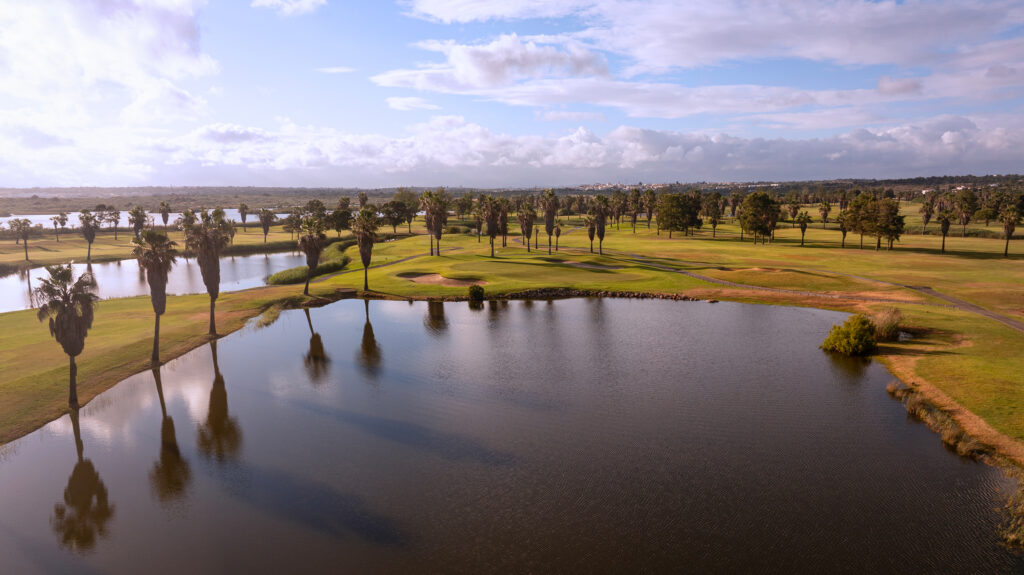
x,y
856,336
887,324
297,275
476,293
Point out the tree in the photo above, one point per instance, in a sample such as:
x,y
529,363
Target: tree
x,y
841,220
311,243
588,221
207,239
113,217
165,212
364,228
824,209
22,230
503,208
927,211
137,219
558,233
171,473
670,213
219,437
86,508
363,199
650,201
243,213
712,209
966,203
759,214
60,220
802,219
491,212
945,219
526,217
635,203
341,217
1009,217
889,223
411,202
393,213
156,254
267,219
69,304
87,223
600,209
549,203
292,223
435,207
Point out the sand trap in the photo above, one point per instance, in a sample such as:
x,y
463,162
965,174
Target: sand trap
x,y
438,279
583,265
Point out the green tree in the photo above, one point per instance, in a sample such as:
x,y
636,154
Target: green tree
x,y
824,209
712,209
759,214
526,216
600,210
267,219
491,212
137,219
88,225
22,230
650,203
635,203
243,213
207,239
802,220
311,243
69,304
558,233
945,219
411,202
844,226
113,217
889,223
927,210
363,199
393,213
1009,217
63,216
156,254
588,222
165,212
966,203
341,217
364,228
549,203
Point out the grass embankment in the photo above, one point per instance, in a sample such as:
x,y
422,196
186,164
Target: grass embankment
x,y
333,259
973,360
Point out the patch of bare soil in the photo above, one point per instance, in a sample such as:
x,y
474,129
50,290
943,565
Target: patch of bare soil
x,y
438,279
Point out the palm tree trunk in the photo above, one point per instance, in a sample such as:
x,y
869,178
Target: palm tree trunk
x,y
1006,250
366,281
600,246
88,254
156,341
213,324
492,247
26,250
305,290
943,243
591,246
431,242
73,385
549,244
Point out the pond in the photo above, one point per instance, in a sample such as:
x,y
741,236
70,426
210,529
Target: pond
x,y
155,217
584,435
125,279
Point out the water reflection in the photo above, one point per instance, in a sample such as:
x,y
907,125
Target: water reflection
x,y
316,358
852,367
219,437
369,352
435,321
86,509
171,473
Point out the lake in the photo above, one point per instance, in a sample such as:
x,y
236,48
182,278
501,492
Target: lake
x,y
125,279
572,436
154,217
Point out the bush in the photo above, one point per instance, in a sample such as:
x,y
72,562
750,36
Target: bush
x,y
855,337
297,275
887,324
476,293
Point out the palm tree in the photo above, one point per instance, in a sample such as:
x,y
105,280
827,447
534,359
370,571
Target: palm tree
x,y
1009,218
802,220
491,212
600,210
156,254
549,203
22,230
137,219
369,349
243,212
526,216
267,218
56,224
165,212
843,221
945,219
364,228
69,304
927,210
86,507
558,232
311,243
824,210
171,473
207,238
219,436
89,225
588,221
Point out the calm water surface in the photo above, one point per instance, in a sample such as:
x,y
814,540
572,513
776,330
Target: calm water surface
x,y
125,279
155,217
580,435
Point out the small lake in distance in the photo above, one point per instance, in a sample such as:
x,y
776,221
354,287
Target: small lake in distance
x,y
570,436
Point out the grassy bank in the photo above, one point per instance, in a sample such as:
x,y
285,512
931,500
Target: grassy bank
x,y
973,360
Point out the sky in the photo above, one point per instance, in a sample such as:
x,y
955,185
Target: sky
x,y
510,93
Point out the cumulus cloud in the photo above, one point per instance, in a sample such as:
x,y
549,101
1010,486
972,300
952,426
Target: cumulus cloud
x,y
409,103
289,7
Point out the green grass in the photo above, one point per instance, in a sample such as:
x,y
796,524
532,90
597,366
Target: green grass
x,y
974,360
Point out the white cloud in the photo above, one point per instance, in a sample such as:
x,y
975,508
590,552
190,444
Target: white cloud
x,y
449,11
336,70
567,116
289,7
410,103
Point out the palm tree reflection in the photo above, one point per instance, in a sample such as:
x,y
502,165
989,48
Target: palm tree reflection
x,y
435,321
219,436
171,473
369,352
86,509
316,359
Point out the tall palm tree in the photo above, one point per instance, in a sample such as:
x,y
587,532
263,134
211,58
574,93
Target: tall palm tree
x,y
171,473
22,230
1009,218
600,210
491,212
588,222
207,238
364,228
69,305
165,212
526,216
266,218
56,225
156,254
219,437
86,509
945,220
824,209
549,203
311,243
243,212
87,222
137,219
802,220
558,233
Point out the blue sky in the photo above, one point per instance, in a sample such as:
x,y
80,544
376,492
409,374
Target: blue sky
x,y
516,93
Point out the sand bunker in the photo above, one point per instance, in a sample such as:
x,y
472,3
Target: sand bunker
x,y
438,279
583,265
